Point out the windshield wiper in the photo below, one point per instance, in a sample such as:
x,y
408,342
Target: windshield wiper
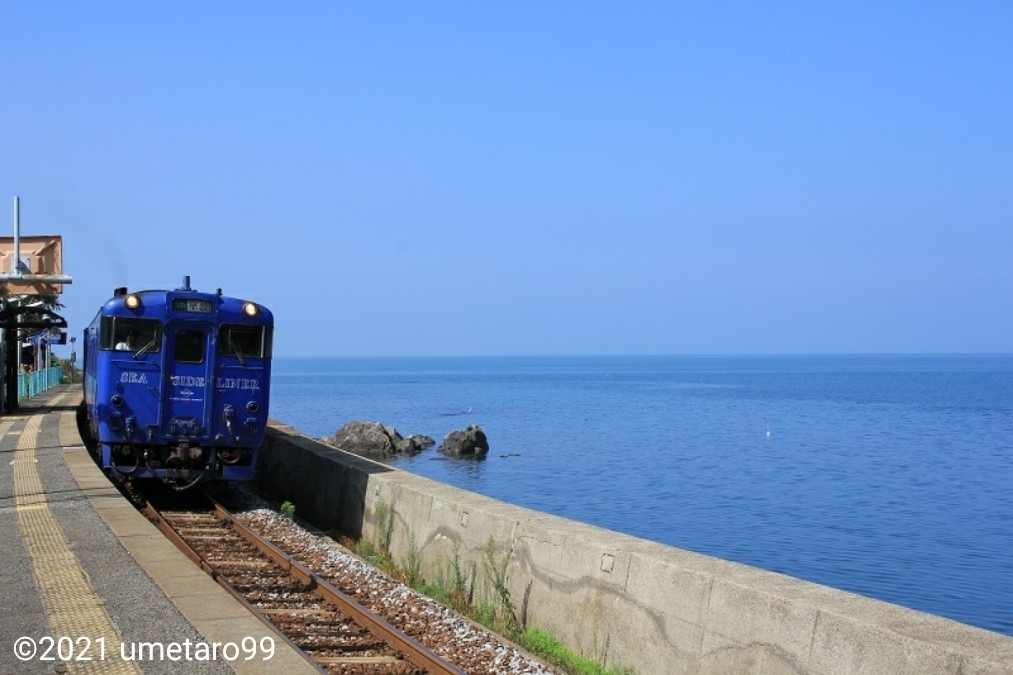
x,y
147,346
235,350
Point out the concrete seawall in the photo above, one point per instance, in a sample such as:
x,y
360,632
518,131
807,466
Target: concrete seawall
x,y
617,599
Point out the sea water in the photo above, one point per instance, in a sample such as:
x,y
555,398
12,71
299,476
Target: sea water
x,y
888,476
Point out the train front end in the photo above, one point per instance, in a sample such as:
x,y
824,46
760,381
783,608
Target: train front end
x,y
177,385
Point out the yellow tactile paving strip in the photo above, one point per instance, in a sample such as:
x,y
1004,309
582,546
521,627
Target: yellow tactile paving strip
x,y
212,611
74,609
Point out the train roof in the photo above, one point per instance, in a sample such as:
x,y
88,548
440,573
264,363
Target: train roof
x,y
156,303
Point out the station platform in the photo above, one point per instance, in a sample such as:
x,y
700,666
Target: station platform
x,y
88,585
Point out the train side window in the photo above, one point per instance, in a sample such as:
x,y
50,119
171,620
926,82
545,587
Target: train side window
x,y
268,341
241,341
188,346
107,333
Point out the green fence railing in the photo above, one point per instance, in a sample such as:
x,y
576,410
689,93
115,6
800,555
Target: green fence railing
x,y
30,384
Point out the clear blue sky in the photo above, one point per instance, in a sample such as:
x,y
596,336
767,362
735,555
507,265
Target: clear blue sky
x,y
430,178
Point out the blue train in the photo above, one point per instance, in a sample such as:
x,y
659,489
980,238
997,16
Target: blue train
x,y
177,385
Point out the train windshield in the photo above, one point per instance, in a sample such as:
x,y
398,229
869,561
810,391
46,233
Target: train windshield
x,y
244,341
188,346
131,335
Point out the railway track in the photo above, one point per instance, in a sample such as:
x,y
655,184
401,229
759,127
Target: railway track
x,y
332,630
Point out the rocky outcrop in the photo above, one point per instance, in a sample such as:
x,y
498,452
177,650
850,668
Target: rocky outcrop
x,y
373,439
470,442
376,440
414,444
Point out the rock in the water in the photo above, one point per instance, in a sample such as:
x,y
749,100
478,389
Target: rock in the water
x,y
365,438
470,442
376,440
414,444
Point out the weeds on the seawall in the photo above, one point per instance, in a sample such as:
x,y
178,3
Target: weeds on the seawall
x,y
497,614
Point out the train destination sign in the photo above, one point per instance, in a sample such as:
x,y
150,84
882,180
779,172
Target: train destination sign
x,y
184,305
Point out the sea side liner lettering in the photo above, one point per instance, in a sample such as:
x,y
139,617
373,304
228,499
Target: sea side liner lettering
x,y
131,377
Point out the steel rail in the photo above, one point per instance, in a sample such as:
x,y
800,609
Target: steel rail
x,y
166,528
415,653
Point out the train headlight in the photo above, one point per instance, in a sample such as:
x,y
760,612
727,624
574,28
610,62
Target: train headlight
x,y
116,400
132,301
250,309
252,406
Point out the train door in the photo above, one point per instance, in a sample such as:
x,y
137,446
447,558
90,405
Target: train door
x,y
188,375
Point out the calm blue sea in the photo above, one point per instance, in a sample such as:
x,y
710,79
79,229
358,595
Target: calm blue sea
x,y
888,476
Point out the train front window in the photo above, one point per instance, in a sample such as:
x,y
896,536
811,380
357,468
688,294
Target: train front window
x,y
131,335
188,346
242,341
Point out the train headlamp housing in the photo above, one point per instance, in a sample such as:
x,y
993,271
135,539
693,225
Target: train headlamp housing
x,y
132,301
250,309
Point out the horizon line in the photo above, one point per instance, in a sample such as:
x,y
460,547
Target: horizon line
x,y
640,355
